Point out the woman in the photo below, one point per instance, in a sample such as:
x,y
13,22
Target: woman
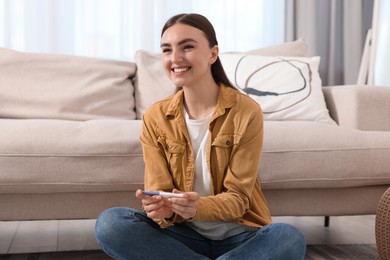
x,y
205,143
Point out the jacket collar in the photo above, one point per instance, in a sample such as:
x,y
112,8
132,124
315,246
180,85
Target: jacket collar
x,y
226,100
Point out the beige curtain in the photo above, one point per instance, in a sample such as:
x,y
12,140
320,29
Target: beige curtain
x,y
335,30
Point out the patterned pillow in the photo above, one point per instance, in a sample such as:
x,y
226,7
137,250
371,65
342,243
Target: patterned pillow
x,y
287,88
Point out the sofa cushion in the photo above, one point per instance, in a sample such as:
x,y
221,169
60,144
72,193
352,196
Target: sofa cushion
x,y
43,156
153,85
362,107
64,87
300,155
298,48
287,88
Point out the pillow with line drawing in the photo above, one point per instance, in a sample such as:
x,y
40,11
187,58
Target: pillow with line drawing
x,y
287,88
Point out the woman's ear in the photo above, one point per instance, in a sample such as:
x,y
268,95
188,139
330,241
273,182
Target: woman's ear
x,y
214,54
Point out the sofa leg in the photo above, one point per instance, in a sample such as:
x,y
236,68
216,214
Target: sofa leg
x,y
326,221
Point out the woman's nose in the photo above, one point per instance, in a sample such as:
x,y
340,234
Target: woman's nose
x,y
177,56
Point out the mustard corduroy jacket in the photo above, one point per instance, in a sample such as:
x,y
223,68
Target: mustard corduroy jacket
x,y
233,156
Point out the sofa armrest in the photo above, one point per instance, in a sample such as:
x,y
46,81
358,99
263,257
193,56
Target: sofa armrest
x,y
361,107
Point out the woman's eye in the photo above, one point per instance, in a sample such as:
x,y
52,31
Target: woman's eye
x,y
165,50
188,47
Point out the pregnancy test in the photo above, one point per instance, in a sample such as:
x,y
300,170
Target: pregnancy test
x,y
163,194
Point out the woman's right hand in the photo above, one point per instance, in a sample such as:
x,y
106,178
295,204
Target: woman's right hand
x,y
155,206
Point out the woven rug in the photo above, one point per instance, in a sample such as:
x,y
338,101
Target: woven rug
x,y
314,252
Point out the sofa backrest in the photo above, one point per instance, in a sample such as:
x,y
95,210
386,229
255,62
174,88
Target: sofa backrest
x,y
51,86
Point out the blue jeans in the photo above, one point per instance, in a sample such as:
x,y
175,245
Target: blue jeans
x,y
125,233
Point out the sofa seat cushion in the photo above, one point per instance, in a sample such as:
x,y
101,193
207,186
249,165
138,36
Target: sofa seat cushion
x,y
299,155
39,156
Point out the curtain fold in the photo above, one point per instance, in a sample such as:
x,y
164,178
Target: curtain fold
x,y
335,30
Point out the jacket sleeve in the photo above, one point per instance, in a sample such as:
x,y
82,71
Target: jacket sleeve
x,y
157,176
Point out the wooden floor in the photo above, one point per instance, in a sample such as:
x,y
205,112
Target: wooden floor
x,y
75,235
342,230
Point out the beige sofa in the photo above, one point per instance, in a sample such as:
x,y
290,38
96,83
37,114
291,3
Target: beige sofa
x,y
69,140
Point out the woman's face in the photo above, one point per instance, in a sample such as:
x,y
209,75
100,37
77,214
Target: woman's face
x,y
186,55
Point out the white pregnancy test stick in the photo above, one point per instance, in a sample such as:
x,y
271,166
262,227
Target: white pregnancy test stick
x,y
163,194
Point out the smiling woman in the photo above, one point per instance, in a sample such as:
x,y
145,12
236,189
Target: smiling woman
x,y
203,142
116,29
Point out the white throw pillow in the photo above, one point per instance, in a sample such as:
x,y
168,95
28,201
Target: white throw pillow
x,y
287,88
151,82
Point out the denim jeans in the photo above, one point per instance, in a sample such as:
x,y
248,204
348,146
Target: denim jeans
x,y
125,233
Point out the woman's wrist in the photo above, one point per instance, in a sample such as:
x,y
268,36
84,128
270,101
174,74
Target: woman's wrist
x,y
192,217
171,217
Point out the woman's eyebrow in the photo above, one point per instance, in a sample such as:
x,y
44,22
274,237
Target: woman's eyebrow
x,y
184,41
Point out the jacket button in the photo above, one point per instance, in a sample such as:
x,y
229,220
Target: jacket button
x,y
241,221
228,142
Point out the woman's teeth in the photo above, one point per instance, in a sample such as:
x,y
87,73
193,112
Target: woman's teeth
x,y
180,69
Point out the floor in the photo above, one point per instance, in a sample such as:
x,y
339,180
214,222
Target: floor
x,y
75,235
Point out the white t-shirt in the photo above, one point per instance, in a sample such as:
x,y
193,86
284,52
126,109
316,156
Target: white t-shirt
x,y
199,134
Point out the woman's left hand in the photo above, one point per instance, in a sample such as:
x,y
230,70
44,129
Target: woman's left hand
x,y
187,206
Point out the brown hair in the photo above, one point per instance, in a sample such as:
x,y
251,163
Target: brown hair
x,y
202,23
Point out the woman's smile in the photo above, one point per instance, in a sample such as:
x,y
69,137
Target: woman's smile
x,y
180,69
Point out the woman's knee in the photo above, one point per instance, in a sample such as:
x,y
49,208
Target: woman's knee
x,y
293,232
291,239
111,222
